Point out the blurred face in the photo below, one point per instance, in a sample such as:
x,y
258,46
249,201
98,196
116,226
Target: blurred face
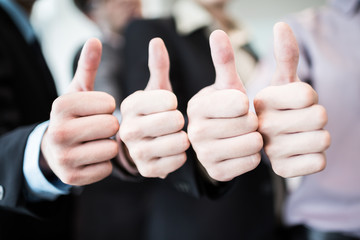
x,y
117,13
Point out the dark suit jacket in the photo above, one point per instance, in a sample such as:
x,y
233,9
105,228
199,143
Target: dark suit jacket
x,y
26,94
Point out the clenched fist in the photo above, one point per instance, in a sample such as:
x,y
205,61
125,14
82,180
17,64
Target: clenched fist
x,y
290,118
151,126
221,129
77,145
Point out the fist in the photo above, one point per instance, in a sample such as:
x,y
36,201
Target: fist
x,y
77,145
290,119
151,124
221,129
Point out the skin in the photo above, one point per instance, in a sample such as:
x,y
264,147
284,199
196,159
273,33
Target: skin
x,y
221,129
151,124
226,137
290,119
77,145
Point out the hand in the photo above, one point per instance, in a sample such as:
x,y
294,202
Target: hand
x,y
221,129
151,124
290,118
76,144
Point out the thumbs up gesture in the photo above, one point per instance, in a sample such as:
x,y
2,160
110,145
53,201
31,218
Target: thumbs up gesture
x,y
77,145
290,119
221,129
151,124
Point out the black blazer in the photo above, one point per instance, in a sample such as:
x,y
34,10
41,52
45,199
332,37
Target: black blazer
x,y
245,211
27,91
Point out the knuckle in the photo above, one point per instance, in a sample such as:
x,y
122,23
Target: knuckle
x,y
106,170
257,141
265,126
308,94
181,160
184,141
139,154
216,173
58,105
147,170
131,132
321,116
239,103
204,154
64,159
254,161
130,102
179,120
196,132
253,121
113,125
271,150
319,163
110,100
170,98
280,169
113,149
260,102
193,106
325,140
58,135
70,177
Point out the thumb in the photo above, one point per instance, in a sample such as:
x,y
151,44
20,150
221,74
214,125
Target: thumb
x,y
159,66
88,64
224,62
286,52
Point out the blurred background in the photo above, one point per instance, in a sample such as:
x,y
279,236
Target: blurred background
x,y
62,28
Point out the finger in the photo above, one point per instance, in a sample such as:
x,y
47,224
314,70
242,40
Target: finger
x,y
97,127
229,169
87,174
223,128
92,152
293,121
153,125
299,165
293,96
148,102
236,147
287,145
87,67
159,147
159,66
286,52
224,62
83,104
219,104
161,167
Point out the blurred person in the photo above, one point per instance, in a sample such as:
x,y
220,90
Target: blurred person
x,y
175,215
76,157
138,202
222,132
111,17
35,164
326,205
116,207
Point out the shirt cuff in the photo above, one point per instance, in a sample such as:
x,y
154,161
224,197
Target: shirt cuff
x,y
38,187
